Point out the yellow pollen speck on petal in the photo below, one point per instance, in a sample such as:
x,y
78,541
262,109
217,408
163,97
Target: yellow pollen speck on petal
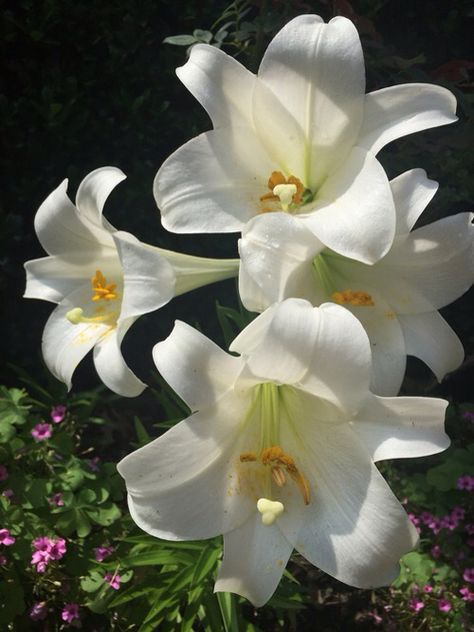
x,y
270,510
390,314
247,457
101,289
357,298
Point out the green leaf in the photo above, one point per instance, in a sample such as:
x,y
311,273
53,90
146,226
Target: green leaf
x,y
202,36
12,410
205,564
180,40
92,582
12,601
104,515
142,434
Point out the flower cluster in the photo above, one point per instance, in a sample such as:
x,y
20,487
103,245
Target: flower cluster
x,y
279,452
47,550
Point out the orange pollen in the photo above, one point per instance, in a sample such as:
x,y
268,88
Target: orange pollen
x,y
279,462
278,178
357,298
101,289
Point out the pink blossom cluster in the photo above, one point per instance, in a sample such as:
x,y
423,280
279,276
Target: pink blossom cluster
x,y
466,593
38,611
46,550
5,538
57,499
466,483
449,521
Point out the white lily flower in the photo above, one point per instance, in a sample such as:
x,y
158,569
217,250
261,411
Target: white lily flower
x,y
299,137
280,452
102,280
396,299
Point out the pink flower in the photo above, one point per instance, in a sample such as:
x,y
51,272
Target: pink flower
x,y
101,552
58,413
466,593
466,482
94,463
435,551
468,575
8,493
46,550
427,588
112,580
3,473
38,611
469,529
70,612
416,604
444,605
3,560
415,520
41,432
376,617
458,513
58,548
57,499
5,538
448,522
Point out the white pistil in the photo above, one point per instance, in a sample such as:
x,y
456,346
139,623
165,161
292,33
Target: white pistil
x,y
75,316
270,510
285,193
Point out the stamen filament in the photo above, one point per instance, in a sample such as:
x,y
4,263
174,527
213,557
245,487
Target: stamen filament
x,y
75,316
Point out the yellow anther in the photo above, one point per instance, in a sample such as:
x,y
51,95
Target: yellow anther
x,y
279,463
101,289
270,510
357,298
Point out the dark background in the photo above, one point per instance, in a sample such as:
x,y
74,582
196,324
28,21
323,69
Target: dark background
x,y
88,84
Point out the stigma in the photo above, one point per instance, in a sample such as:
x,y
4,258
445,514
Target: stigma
x,y
101,290
288,191
270,510
357,298
76,316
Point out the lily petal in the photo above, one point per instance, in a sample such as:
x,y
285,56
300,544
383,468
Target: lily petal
x,y
196,368
324,350
61,231
197,497
276,252
354,528
213,183
434,262
64,345
94,191
53,278
220,84
412,192
397,111
355,212
316,71
255,557
430,338
110,365
402,427
148,278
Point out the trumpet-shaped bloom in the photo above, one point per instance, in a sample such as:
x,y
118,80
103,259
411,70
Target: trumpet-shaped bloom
x,y
279,453
102,280
396,299
299,137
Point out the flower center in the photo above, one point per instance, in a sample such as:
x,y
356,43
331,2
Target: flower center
x,y
101,290
270,464
348,297
289,192
326,276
